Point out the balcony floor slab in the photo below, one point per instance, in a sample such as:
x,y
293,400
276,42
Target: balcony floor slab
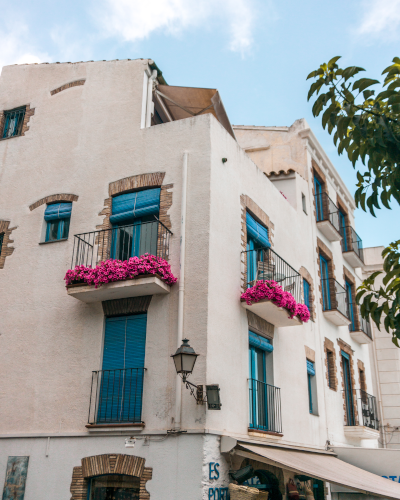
x,y
328,230
149,285
360,337
353,259
336,317
360,432
277,316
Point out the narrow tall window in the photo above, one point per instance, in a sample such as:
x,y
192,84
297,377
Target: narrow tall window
x,y
326,296
1,241
57,216
348,389
350,307
306,290
330,361
311,384
318,199
342,230
259,260
303,202
13,121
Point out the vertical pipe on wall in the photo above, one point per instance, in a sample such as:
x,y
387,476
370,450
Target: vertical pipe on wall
x,y
181,292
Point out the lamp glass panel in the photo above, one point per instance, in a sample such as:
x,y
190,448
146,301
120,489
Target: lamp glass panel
x,y
188,361
178,363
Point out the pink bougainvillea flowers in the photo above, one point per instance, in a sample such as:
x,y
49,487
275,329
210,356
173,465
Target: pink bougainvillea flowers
x,y
270,290
118,270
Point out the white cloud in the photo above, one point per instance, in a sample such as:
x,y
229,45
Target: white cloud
x,y
135,20
16,48
381,17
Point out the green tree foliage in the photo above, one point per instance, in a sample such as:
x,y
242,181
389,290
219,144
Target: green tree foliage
x,y
367,126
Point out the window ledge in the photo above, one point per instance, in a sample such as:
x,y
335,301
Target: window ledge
x,y
13,137
53,241
264,434
115,427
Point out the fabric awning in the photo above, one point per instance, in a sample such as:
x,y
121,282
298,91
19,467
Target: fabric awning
x,y
184,102
323,466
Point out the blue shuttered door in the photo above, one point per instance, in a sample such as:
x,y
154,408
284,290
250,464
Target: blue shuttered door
x,y
326,296
348,388
120,397
134,232
350,306
318,199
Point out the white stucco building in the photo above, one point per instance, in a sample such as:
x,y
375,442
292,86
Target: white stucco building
x,y
104,161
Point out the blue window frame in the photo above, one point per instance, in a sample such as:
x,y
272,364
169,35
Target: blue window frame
x,y
310,375
348,388
318,199
135,227
120,398
342,225
258,388
350,305
1,241
326,296
13,121
306,291
57,216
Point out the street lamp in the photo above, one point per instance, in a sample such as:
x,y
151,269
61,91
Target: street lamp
x,y
185,359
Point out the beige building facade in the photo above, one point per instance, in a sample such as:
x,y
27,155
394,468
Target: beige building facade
x,y
103,161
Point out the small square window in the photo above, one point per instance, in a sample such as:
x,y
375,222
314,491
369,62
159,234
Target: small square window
x,y
13,121
303,201
58,217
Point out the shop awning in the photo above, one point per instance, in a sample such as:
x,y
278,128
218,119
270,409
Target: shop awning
x,y
322,466
185,102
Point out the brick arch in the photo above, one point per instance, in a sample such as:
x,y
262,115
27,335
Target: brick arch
x,y
111,463
6,250
133,183
307,276
53,198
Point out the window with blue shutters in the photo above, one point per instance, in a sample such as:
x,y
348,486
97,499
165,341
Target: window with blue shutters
x,y
57,217
350,306
306,290
312,388
348,388
1,241
318,199
257,239
121,387
135,224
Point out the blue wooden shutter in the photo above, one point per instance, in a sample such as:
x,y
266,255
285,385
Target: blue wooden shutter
x,y
257,232
134,205
260,342
58,211
306,289
310,368
121,388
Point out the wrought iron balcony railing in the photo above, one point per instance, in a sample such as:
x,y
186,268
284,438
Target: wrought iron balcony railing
x,y
121,243
265,406
362,325
367,410
351,241
365,326
264,264
327,210
334,297
116,396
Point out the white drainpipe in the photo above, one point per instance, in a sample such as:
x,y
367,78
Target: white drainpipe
x,y
181,293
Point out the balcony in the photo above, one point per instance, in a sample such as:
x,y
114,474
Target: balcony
x,y
266,265
116,398
327,217
265,407
120,243
360,330
352,247
362,416
334,302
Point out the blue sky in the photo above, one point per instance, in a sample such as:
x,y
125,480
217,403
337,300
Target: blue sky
x,y
256,52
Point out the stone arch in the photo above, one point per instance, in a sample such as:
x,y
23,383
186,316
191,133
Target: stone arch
x,y
5,249
98,465
53,198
